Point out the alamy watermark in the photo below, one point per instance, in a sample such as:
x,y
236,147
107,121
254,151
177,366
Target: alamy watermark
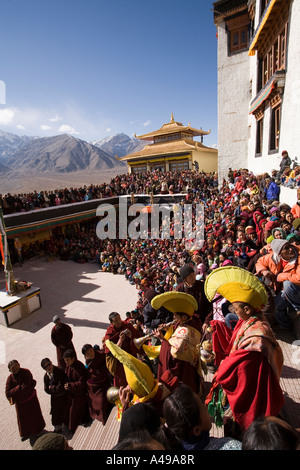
x,y
155,221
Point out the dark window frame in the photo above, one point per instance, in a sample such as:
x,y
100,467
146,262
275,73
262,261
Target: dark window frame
x,y
259,137
274,134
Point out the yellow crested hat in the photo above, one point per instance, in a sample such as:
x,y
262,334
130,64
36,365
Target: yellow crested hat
x,y
138,375
176,302
236,285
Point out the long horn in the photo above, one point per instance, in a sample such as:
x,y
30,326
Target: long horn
x,y
138,342
112,395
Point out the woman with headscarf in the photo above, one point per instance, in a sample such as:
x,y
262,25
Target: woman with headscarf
x,y
260,231
282,267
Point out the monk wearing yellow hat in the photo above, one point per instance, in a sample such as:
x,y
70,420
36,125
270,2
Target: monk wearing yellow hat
x,y
180,353
248,378
142,386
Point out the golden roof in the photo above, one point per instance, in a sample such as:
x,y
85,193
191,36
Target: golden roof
x,y
172,127
167,148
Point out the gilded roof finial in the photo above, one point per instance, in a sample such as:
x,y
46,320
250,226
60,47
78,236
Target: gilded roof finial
x,y
172,117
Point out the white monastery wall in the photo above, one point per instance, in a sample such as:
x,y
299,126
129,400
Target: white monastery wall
x,y
233,102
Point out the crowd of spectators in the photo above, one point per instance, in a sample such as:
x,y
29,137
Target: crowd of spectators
x,y
240,220
242,217
156,182
150,182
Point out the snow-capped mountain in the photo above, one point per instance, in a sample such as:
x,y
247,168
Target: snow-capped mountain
x,y
63,153
119,144
10,143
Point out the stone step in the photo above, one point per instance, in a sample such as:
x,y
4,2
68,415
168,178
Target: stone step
x,y
80,436
110,435
97,436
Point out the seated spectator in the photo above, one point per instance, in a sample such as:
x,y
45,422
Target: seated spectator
x,y
295,210
140,440
282,268
272,190
139,417
294,239
285,161
51,441
271,433
188,424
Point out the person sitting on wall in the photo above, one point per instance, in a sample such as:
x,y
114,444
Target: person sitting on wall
x,y
282,268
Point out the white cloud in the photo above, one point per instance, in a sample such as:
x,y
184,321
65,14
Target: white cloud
x,y
147,123
38,121
7,116
66,129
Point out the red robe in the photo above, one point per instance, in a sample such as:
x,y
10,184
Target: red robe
x,y
183,370
221,337
251,386
62,338
77,399
112,334
21,389
54,386
98,382
250,382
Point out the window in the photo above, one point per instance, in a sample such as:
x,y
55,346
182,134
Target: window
x,y
165,138
282,46
139,168
275,128
263,6
275,57
238,32
238,39
259,137
179,166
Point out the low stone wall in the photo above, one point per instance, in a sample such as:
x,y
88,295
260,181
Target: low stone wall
x,y
288,195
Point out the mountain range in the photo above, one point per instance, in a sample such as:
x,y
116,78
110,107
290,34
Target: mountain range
x,y
63,153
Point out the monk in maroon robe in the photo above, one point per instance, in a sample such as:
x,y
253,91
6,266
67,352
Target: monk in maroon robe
x,y
20,391
250,371
185,371
61,337
190,285
54,381
122,334
76,387
98,382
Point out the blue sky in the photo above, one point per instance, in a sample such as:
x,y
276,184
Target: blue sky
x,y
93,68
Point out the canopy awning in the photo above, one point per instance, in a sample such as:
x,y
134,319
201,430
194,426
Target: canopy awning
x,y
274,85
49,223
262,96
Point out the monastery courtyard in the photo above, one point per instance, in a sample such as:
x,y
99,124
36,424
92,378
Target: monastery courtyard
x,y
83,297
